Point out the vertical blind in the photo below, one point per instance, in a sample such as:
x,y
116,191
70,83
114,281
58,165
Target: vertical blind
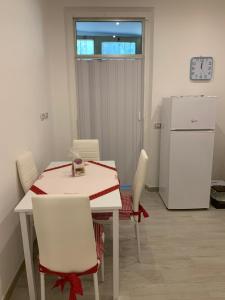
x,y
110,94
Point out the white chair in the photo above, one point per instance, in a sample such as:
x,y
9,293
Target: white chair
x,y
88,149
28,174
131,207
68,245
27,170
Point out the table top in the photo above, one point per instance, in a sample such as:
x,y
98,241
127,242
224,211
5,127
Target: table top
x,y
105,203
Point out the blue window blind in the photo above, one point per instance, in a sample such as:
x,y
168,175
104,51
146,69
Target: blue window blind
x,y
118,48
85,47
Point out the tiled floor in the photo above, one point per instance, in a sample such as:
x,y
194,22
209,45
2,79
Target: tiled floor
x,y
183,258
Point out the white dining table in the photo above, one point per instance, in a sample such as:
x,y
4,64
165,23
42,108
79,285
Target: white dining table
x,y
110,202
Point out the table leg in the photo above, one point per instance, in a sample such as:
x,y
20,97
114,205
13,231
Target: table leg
x,y
115,255
28,256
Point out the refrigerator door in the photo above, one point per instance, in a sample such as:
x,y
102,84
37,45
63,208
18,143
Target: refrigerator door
x,y
191,155
193,113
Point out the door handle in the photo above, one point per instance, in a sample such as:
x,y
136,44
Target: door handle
x,y
139,116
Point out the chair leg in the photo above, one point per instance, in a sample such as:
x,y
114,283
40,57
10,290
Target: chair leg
x,y
95,277
103,262
138,241
103,269
135,232
42,277
31,230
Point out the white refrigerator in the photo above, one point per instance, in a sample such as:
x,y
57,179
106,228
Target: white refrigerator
x,y
186,151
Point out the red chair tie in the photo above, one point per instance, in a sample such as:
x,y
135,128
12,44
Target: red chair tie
x,y
75,285
141,211
72,278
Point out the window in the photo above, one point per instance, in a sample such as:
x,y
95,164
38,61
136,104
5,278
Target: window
x,y
118,48
108,38
85,47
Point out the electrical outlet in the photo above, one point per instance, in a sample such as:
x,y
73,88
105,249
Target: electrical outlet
x,y
158,125
42,116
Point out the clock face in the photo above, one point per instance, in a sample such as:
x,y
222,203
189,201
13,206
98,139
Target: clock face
x,y
201,68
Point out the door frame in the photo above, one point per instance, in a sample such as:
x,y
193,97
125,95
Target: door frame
x,y
111,12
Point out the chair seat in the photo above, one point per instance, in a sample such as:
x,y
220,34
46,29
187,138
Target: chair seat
x,y
125,213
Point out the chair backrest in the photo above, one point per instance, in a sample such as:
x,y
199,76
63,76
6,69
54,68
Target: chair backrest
x,y
27,170
88,149
139,179
65,234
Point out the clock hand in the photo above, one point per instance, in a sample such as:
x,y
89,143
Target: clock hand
x,y
201,65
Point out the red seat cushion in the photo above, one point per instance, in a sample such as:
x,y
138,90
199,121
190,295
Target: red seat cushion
x,y
101,216
125,212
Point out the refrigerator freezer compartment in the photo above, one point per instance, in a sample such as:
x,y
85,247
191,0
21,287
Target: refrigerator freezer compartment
x,y
193,114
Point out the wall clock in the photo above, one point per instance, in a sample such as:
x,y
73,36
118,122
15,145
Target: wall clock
x,y
201,68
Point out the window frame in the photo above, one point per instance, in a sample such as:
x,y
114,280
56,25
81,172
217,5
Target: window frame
x,y
110,57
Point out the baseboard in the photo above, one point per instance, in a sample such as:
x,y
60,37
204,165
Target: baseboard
x,y
9,292
152,188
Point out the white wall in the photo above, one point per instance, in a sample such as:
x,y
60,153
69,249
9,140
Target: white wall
x,y
23,95
182,29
